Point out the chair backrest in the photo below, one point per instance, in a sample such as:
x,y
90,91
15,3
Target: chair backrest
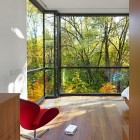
x,y
28,112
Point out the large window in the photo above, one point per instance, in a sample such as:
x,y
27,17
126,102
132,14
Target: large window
x,y
41,53
69,54
35,52
94,54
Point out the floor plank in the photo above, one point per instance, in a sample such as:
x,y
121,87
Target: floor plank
x,y
97,118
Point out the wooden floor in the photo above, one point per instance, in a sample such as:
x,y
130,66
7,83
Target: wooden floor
x,y
97,118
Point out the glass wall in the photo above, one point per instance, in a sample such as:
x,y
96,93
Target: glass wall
x,y
50,53
76,54
35,52
41,53
94,80
94,54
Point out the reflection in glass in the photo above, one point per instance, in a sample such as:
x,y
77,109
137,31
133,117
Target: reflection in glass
x,y
35,85
94,80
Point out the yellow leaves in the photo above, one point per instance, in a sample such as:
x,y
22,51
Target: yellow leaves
x,y
69,89
108,88
35,91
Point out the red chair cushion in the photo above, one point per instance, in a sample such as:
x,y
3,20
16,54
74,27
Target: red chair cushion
x,y
33,117
45,116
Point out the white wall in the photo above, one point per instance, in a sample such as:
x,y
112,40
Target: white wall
x,y
13,77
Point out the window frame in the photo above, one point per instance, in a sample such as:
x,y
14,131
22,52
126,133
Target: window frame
x,y
57,63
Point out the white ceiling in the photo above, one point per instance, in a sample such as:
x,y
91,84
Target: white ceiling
x,y
88,6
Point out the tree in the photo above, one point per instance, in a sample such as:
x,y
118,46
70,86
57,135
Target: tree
x,y
94,41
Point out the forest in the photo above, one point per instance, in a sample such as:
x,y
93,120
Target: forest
x,y
92,56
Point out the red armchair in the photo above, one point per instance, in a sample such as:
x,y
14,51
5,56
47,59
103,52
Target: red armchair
x,y
33,117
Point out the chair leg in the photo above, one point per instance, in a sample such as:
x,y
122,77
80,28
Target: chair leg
x,y
26,136
35,137
30,137
42,132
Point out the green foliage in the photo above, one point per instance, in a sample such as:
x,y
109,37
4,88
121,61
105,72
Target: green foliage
x,y
34,54
76,85
94,41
